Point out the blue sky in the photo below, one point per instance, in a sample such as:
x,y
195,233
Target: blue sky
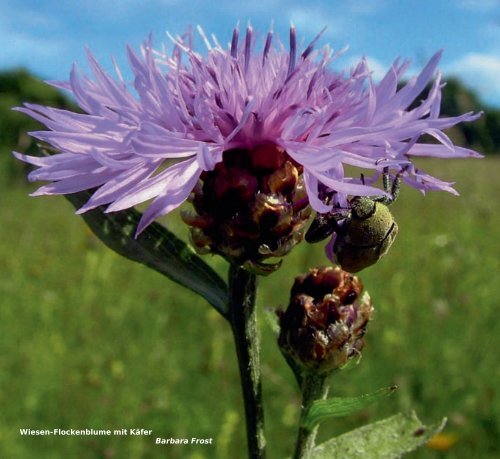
x,y
48,36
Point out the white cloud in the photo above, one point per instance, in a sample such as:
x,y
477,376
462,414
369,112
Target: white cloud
x,y
49,58
479,5
378,68
480,72
310,20
268,7
22,44
365,7
27,39
28,18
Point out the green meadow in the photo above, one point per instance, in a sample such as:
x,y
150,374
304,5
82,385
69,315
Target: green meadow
x,y
92,340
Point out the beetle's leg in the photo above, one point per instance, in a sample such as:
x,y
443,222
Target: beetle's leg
x,y
396,186
386,183
322,226
386,180
391,189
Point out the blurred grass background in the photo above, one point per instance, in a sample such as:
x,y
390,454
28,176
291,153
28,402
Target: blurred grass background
x,y
91,340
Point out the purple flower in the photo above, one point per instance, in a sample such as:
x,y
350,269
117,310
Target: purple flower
x,y
188,108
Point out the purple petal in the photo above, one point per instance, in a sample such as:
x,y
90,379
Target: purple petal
x,y
191,107
440,151
176,176
311,184
347,188
76,183
119,185
176,192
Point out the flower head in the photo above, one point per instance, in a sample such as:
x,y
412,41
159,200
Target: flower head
x,y
187,113
324,324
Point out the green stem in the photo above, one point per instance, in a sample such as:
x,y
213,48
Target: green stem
x,y
314,387
242,291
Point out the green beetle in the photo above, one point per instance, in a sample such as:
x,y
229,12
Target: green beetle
x,y
364,233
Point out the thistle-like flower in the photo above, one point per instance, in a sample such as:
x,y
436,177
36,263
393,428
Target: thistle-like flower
x,y
326,319
254,135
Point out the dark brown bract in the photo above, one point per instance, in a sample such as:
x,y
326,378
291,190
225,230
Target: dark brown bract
x,y
251,207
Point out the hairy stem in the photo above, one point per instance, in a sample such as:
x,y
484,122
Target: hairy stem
x,y
242,291
314,387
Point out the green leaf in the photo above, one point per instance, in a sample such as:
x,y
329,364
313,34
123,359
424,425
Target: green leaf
x,y
272,319
157,248
341,406
390,438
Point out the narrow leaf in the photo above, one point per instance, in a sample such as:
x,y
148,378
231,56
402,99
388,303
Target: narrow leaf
x,y
341,406
390,438
272,319
157,248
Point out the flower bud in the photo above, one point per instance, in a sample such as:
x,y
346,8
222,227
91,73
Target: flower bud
x,y
324,324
